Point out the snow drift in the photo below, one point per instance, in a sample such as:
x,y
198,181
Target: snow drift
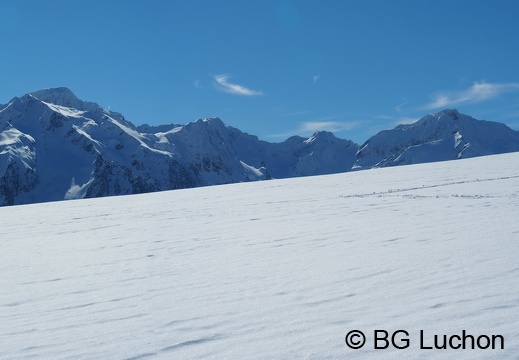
x,y
277,269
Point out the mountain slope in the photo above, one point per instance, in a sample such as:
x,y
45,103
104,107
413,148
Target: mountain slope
x,y
446,135
282,269
54,146
77,151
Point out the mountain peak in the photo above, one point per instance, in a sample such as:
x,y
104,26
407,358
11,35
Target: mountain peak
x,y
322,136
444,116
211,123
445,135
450,113
58,96
214,121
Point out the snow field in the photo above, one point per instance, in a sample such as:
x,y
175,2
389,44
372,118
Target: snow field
x,y
275,269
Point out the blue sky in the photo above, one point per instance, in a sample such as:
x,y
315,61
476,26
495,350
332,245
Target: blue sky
x,y
270,68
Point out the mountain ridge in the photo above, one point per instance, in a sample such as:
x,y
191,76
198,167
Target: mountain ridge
x,y
54,146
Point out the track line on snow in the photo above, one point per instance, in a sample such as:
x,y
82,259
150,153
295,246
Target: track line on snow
x,y
423,187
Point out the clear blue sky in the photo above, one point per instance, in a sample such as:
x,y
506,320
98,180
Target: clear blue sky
x,y
270,68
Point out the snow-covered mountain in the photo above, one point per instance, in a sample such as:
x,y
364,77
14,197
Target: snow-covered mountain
x,y
54,146
446,135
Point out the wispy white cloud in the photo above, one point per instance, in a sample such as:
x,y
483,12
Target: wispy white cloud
x,y
316,78
388,121
406,120
399,107
307,128
222,83
310,127
196,84
478,92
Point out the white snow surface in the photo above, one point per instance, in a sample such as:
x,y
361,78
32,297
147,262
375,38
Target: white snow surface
x,y
279,269
65,111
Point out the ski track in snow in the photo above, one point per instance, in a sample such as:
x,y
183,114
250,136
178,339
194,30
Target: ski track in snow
x,y
275,269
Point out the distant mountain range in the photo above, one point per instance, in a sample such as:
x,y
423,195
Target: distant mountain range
x,y
54,146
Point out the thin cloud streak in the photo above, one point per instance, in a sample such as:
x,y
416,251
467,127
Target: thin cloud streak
x,y
478,92
332,126
308,128
399,108
406,121
223,84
